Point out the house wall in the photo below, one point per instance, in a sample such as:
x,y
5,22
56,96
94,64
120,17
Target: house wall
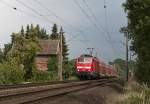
x,y
41,62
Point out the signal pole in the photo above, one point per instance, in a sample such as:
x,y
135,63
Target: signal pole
x,y
61,57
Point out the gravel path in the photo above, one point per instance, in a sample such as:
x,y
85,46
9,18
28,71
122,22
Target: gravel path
x,y
97,95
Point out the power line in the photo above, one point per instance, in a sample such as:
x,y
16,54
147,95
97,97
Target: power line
x,y
37,13
33,10
106,21
61,19
51,12
18,9
93,22
106,24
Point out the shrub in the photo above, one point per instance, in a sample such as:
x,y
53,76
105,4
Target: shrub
x,y
10,73
52,64
43,76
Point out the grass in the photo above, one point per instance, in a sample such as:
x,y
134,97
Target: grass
x,y
139,94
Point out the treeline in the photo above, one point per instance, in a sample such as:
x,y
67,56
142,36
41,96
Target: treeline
x,y
138,29
17,58
120,66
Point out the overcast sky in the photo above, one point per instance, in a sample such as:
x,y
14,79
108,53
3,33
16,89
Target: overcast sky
x,y
83,29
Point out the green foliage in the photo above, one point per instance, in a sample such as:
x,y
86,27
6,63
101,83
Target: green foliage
x,y
69,70
53,64
65,49
139,30
54,35
43,76
7,48
11,73
22,51
1,55
120,65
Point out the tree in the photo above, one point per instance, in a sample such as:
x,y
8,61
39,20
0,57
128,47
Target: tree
x,y
139,31
52,64
23,51
69,71
22,31
121,67
1,55
10,73
41,32
65,49
54,35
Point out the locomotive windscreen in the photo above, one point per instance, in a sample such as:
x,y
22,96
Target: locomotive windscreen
x,y
85,60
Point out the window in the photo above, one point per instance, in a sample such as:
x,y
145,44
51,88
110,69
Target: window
x,y
85,60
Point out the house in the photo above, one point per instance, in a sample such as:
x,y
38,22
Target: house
x,y
48,49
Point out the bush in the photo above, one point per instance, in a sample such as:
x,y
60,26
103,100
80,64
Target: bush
x,y
69,71
43,76
52,64
10,73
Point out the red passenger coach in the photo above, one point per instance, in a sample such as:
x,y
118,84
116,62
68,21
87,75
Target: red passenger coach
x,y
90,67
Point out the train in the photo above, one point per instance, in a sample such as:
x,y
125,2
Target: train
x,y
90,67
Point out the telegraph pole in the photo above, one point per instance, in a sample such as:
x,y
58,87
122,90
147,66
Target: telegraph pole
x,y
61,56
127,68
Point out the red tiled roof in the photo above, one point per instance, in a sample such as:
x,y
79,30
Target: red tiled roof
x,y
48,47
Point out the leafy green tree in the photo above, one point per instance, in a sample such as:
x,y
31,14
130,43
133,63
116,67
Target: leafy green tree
x,y
23,50
53,64
10,73
139,31
120,66
69,70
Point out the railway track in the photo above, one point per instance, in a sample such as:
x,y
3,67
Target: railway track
x,y
34,94
15,86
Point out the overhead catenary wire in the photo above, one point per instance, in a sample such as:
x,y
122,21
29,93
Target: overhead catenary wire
x,y
67,24
106,29
36,12
62,20
94,23
17,9
106,23
38,15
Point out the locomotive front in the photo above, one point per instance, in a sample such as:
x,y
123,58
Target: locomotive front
x,y
84,67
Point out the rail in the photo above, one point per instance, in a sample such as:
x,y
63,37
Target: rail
x,y
23,95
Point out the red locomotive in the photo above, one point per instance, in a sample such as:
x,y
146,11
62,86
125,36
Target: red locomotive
x,y
90,67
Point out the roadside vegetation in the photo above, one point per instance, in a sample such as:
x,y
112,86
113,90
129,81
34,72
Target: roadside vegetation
x,y
139,94
138,30
17,59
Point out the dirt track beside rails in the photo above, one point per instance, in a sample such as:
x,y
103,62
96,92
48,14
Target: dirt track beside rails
x,y
97,95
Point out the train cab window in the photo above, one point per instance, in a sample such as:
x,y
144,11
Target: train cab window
x,y
85,60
